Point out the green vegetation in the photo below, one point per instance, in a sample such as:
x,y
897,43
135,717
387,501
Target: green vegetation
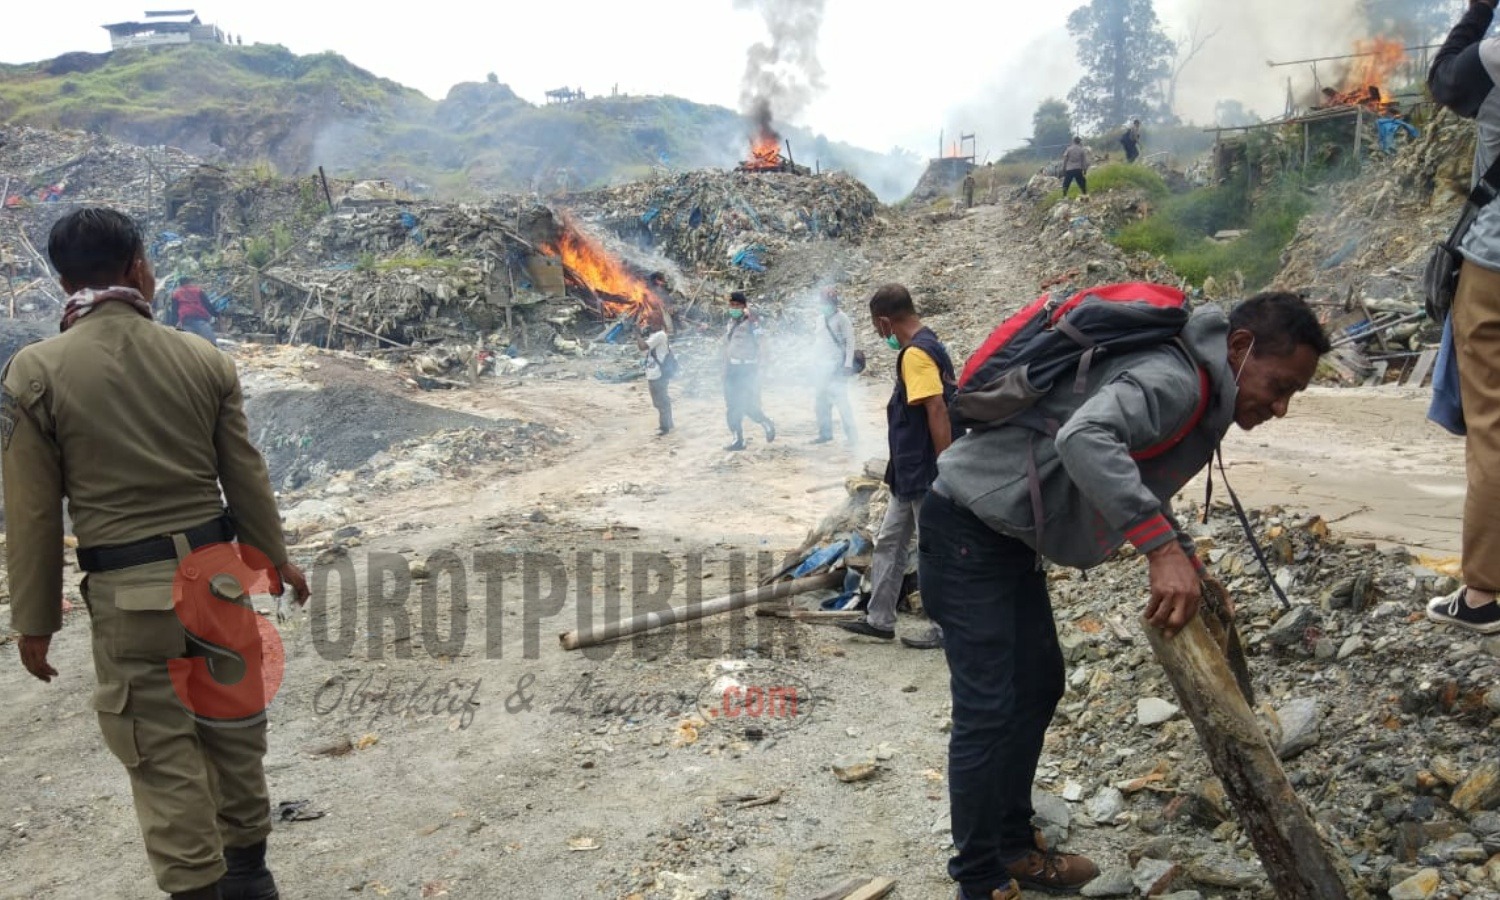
x,y
1116,177
1181,230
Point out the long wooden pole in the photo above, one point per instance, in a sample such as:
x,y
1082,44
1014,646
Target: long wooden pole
x,y
1298,863
651,621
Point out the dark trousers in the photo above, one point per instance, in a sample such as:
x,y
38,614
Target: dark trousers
x,y
663,403
1075,175
201,328
1006,675
742,397
1131,153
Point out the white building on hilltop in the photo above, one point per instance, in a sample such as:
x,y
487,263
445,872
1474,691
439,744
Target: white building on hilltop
x,y
176,26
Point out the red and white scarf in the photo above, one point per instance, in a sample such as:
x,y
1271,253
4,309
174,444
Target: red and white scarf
x,y
88,299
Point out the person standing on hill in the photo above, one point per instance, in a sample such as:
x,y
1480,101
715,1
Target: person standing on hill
x,y
1075,164
1131,141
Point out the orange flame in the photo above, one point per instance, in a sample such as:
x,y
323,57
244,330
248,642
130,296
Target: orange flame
x,y
1365,82
1384,57
765,153
621,291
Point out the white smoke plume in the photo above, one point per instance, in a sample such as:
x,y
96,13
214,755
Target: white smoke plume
x,y
1232,63
783,75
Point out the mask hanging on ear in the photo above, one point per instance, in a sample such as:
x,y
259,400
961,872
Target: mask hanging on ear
x,y
1241,370
893,342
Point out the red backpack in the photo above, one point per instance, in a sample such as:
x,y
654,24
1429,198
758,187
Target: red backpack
x,y
1030,352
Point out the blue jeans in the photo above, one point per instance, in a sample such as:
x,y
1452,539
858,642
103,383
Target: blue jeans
x,y
1006,674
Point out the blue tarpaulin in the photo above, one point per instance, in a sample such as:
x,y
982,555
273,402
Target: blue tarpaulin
x,y
649,215
821,557
749,258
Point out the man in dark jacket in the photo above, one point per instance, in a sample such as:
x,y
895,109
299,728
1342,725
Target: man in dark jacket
x,y
1464,76
1145,424
917,432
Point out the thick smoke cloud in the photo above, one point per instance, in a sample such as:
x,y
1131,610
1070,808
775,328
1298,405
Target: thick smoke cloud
x,y
1233,63
783,76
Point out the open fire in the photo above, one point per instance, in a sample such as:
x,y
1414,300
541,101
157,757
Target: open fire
x,y
765,144
589,266
1369,73
765,154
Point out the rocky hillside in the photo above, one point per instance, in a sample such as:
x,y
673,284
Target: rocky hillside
x,y
262,103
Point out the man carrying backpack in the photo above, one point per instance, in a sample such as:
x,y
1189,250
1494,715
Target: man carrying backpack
x,y
1089,465
833,343
742,359
918,431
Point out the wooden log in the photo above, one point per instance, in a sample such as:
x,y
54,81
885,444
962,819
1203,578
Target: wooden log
x,y
1297,862
651,621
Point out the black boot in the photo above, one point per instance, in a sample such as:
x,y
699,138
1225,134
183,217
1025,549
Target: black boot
x,y
204,893
248,878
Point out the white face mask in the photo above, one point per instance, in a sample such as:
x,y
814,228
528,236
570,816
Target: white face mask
x,y
1241,370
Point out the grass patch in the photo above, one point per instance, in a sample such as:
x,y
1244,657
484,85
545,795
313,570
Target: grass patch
x,y
1119,177
1179,232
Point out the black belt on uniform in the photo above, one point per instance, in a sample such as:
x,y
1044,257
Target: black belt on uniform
x,y
155,549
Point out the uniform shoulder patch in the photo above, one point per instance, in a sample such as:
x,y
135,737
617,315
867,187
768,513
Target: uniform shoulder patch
x,y
10,411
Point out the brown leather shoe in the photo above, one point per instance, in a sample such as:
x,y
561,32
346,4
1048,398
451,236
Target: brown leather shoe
x,y
1053,872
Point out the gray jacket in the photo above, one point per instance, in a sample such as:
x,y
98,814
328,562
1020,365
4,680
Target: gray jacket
x,y
1095,495
1464,75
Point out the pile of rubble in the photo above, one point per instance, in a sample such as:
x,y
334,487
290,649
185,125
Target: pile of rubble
x,y
1361,254
1385,723
734,224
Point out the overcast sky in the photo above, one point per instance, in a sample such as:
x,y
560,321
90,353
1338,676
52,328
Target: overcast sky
x,y
895,74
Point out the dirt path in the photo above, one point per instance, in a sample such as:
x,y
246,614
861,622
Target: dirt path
x,y
553,786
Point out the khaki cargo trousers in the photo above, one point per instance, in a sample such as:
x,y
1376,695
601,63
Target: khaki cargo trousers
x,y
198,786
1476,337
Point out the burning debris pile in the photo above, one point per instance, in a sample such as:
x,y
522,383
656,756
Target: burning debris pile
x,y
398,275
1361,254
732,225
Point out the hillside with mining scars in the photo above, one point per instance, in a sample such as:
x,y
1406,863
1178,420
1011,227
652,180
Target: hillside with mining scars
x,y
263,103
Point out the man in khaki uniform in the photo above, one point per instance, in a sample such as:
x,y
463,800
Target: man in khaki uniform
x,y
139,426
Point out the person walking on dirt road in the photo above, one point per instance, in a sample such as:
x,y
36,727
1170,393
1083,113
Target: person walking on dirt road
x,y
1127,444
918,431
834,354
140,427
657,349
743,355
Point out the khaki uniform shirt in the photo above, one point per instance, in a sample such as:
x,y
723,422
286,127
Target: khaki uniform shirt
x,y
138,426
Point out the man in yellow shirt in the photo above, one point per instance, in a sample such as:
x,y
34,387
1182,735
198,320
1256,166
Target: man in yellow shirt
x,y
918,430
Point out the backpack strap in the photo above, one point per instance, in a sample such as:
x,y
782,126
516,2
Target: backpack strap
x,y
1239,512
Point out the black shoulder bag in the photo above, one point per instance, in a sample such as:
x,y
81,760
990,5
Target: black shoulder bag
x,y
1440,275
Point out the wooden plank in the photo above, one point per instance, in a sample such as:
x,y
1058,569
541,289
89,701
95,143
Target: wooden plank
x,y
1297,862
874,890
1422,368
841,890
